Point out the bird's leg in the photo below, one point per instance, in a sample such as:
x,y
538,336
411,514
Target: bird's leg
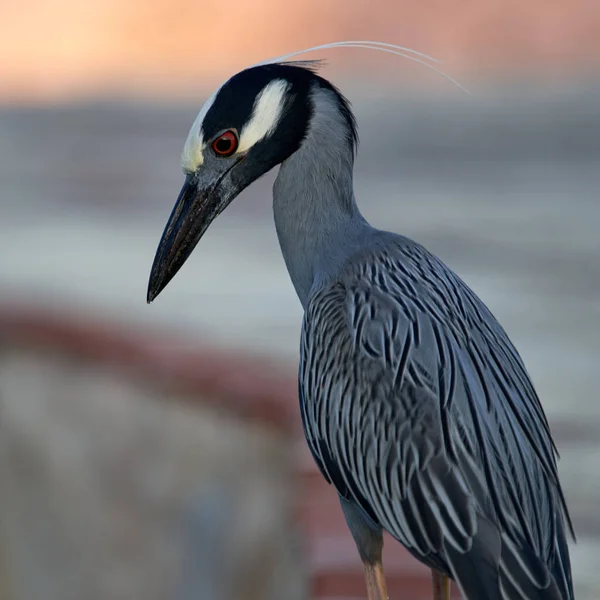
x,y
375,579
368,538
441,585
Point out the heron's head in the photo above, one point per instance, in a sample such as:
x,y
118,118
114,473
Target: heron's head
x,y
253,122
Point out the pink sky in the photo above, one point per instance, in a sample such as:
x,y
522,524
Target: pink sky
x,y
61,48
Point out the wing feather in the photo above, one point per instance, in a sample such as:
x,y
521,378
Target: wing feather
x,y
417,407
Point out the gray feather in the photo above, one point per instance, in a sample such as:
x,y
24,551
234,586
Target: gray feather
x,y
413,390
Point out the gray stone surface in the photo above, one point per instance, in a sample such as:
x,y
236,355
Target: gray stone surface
x,y
110,492
504,186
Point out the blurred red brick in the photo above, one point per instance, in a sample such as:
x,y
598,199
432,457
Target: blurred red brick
x,y
253,388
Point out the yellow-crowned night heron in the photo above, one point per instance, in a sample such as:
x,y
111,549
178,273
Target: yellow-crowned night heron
x,y
415,404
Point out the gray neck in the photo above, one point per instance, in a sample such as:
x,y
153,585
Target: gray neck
x,y
317,220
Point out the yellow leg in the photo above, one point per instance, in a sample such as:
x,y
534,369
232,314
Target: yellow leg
x,y
376,588
441,585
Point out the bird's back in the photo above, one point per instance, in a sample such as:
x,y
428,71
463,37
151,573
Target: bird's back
x,y
418,408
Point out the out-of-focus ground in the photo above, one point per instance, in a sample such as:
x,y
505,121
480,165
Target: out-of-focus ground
x,y
96,101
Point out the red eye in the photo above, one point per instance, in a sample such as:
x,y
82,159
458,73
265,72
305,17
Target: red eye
x,y
226,144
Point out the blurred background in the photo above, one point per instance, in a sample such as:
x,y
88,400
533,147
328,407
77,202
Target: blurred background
x,y
154,451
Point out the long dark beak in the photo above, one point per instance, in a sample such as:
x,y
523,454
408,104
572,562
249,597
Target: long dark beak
x,y
196,207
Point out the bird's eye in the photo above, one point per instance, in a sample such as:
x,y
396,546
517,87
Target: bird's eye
x,y
226,144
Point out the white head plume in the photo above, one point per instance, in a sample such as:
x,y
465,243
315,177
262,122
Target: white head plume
x,y
408,53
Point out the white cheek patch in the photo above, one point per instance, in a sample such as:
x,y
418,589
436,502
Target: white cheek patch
x,y
266,113
193,151
268,108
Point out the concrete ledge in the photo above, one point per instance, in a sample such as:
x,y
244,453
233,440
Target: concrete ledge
x,y
130,469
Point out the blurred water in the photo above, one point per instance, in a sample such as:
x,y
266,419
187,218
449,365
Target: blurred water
x,y
505,187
